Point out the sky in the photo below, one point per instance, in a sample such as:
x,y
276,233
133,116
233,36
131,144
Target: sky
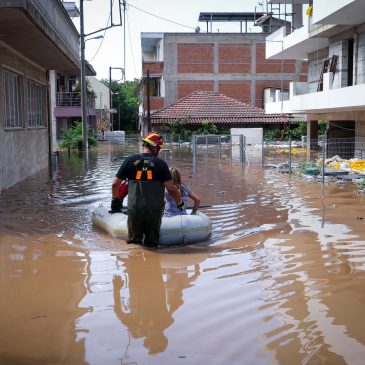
x,y
109,51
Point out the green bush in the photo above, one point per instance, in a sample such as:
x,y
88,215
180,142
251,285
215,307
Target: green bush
x,y
272,134
72,138
185,130
295,131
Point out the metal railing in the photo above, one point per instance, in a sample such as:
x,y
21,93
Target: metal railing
x,y
72,99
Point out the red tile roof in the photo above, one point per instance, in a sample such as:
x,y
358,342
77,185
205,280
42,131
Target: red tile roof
x,y
216,108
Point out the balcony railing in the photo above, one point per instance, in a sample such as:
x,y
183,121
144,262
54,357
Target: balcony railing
x,y
73,99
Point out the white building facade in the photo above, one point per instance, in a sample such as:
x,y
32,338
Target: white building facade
x,y
332,39
102,103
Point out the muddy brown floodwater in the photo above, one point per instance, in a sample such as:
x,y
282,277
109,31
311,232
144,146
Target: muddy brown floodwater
x,y
281,281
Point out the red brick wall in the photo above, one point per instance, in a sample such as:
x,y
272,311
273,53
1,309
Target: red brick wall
x,y
155,103
155,68
239,90
271,66
234,58
304,72
195,58
187,87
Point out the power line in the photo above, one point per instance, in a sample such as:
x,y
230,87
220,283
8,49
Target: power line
x,y
338,126
101,43
160,17
130,41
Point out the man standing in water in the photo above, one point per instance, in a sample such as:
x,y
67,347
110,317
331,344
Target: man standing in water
x,y
148,176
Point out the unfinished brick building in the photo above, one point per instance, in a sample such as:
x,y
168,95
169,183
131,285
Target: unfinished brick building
x,y
233,64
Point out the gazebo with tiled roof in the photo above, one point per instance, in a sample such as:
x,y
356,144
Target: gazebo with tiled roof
x,y
218,109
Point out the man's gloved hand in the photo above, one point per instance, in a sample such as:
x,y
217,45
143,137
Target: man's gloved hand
x,y
181,206
116,205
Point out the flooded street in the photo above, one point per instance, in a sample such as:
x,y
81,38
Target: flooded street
x,y
281,281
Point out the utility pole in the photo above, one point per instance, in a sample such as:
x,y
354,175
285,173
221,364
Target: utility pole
x,y
124,6
148,102
110,90
85,124
110,98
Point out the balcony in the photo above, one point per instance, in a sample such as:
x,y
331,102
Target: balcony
x,y
69,105
73,99
296,45
155,68
346,99
342,12
42,31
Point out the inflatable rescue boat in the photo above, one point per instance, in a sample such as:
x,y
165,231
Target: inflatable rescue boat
x,y
177,230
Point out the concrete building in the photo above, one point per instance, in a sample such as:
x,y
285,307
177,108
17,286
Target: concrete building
x,y
333,40
39,48
102,103
233,64
66,102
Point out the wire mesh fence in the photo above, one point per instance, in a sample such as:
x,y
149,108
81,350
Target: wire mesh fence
x,y
292,154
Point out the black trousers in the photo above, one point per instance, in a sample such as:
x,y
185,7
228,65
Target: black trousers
x,y
144,228
145,208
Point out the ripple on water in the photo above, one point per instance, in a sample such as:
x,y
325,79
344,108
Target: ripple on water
x,y
280,281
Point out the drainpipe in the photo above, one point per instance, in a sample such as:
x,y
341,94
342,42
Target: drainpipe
x,y
49,121
148,102
52,156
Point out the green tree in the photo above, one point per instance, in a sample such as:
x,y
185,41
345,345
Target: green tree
x,y
126,102
89,90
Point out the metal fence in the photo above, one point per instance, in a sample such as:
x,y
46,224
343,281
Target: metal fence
x,y
317,152
291,154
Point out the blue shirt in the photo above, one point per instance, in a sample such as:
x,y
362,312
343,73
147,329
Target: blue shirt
x,y
171,208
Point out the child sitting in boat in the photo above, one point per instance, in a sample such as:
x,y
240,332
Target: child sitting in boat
x,y
171,208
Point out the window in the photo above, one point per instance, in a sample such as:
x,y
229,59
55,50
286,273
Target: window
x,y
36,104
13,100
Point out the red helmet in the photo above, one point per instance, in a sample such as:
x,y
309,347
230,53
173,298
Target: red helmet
x,y
153,139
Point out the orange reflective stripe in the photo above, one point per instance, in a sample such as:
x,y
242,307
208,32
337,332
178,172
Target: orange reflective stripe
x,y
149,175
139,175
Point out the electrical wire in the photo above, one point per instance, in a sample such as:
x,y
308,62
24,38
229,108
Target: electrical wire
x,y
101,43
130,42
160,17
336,125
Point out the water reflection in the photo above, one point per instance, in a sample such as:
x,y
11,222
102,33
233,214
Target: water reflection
x,y
144,289
146,315
282,280
154,294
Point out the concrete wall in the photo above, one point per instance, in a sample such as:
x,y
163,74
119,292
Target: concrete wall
x,y
233,64
23,151
360,65
340,48
102,100
339,45
315,62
